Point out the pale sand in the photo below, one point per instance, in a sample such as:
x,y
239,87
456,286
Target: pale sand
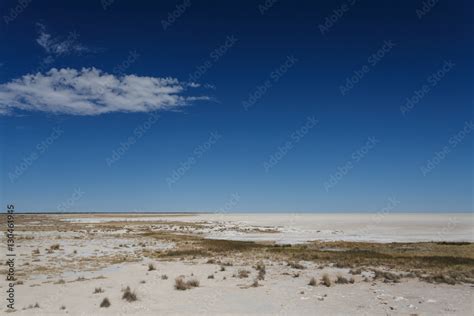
x,y
298,228
279,294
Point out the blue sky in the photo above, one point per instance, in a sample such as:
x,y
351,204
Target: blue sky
x,y
320,106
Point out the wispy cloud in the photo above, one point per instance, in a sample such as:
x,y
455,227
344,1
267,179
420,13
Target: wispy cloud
x,y
90,91
57,46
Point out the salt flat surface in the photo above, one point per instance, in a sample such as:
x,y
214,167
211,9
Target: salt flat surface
x,y
299,228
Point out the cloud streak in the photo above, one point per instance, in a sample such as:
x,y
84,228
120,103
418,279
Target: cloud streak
x,y
57,46
90,91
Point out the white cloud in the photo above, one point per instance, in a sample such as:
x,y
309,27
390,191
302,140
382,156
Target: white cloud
x,y
90,91
58,46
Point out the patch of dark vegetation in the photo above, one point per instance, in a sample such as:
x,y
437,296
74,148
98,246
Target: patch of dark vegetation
x,y
181,284
439,278
32,306
225,246
456,261
453,243
98,290
129,295
185,252
243,273
341,280
282,245
260,267
355,271
151,267
296,265
388,277
312,282
105,303
54,247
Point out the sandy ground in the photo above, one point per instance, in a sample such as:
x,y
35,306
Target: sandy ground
x,y
278,294
299,228
63,281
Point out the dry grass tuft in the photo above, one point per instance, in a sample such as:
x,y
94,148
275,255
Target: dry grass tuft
x,y
164,277
129,295
312,282
243,273
181,284
341,280
355,271
192,283
105,303
388,277
326,280
255,283
98,290
260,267
151,267
54,247
439,278
296,265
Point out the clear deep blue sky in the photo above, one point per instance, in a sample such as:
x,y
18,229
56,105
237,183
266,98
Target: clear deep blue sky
x,y
366,146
